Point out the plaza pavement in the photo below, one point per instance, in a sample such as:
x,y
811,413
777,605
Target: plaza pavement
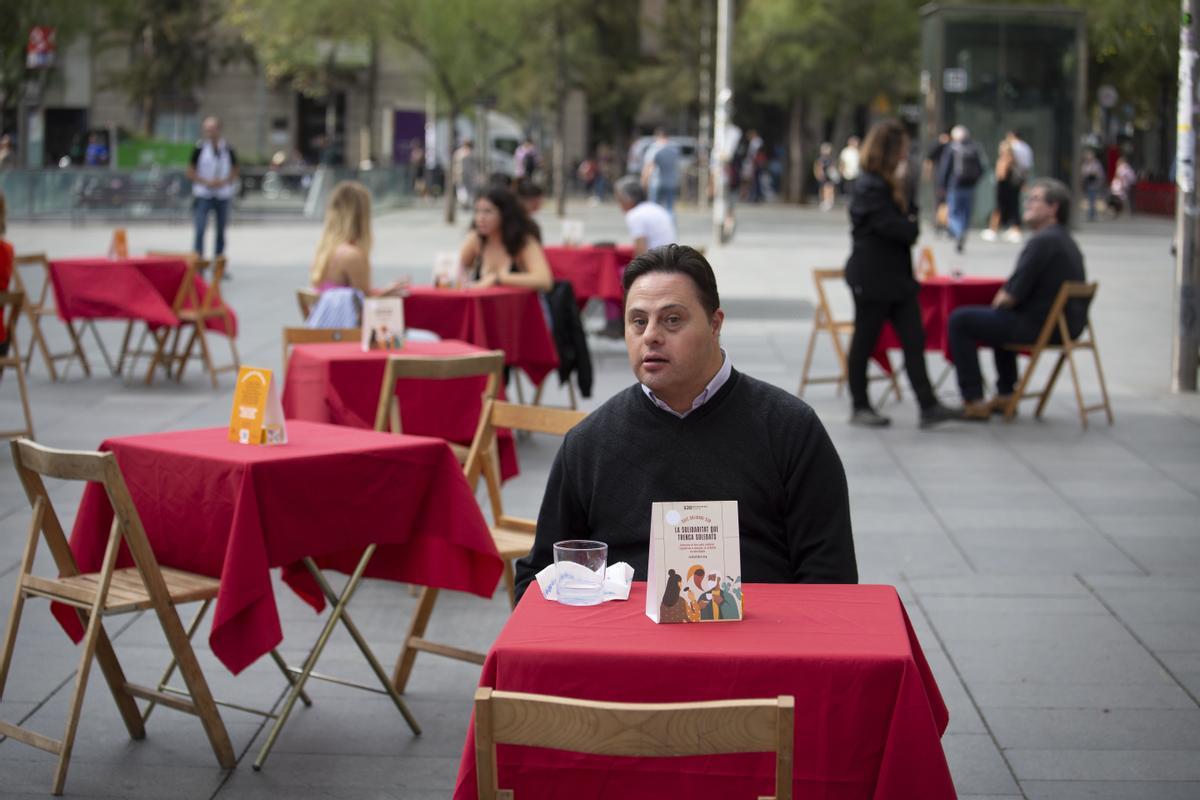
x,y
1051,573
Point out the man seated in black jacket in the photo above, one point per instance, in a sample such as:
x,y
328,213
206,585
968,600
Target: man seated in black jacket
x,y
694,428
1019,309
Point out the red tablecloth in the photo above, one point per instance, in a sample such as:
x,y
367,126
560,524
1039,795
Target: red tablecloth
x,y
592,271
868,712
939,296
497,318
339,383
141,288
234,511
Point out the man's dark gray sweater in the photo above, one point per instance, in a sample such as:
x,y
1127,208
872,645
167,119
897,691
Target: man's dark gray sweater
x,y
752,442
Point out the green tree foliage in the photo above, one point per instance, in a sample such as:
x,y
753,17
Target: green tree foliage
x,y
68,17
172,44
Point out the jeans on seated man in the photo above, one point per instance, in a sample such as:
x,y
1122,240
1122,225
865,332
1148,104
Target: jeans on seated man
x,y
1019,310
695,428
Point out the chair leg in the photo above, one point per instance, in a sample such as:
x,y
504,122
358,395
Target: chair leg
x,y
124,347
160,354
106,657
94,628
416,630
205,354
808,354
77,351
184,357
1011,410
202,699
1100,375
170,669
843,364
510,583
1049,388
40,340
1070,356
24,389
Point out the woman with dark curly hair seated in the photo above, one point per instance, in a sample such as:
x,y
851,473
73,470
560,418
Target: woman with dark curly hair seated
x,y
502,248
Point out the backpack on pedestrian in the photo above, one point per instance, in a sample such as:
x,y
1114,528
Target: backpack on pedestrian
x,y
970,164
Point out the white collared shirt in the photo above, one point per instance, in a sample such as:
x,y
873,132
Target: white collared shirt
x,y
707,394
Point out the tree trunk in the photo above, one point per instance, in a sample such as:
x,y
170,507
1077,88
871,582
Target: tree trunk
x,y
372,99
560,114
842,125
448,167
149,106
797,164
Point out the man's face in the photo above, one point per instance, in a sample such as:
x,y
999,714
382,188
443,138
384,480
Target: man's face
x,y
1038,213
212,130
674,345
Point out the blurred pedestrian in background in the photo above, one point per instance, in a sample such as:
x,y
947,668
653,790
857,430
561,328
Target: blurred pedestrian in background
x,y
213,171
848,166
879,272
660,171
1121,188
1006,215
960,169
825,171
1091,172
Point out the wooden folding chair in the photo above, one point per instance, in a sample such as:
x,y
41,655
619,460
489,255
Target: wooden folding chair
x,y
1056,325
159,355
10,309
145,586
631,729
195,313
35,310
825,322
512,536
489,364
295,336
306,298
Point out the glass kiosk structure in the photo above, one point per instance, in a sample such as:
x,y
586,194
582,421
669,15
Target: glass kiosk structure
x,y
1000,68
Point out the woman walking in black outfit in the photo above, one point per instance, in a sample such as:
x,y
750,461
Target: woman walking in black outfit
x,y
880,274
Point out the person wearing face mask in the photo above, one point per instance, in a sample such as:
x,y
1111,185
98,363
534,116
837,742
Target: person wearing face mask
x,y
879,271
503,247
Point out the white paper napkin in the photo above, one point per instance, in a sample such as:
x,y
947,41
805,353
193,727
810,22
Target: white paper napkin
x,y
617,580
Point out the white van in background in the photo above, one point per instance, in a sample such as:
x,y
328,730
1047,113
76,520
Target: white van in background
x,y
504,136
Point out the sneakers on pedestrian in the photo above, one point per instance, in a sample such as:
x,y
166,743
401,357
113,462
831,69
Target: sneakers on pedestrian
x,y
960,243
869,418
976,411
937,414
1013,236
988,235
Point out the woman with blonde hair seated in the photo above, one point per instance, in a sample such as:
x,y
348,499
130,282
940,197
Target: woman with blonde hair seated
x,y
503,247
341,269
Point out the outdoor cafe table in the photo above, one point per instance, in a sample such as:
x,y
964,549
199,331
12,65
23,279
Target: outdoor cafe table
x,y
140,288
396,507
338,383
939,296
495,318
869,715
592,271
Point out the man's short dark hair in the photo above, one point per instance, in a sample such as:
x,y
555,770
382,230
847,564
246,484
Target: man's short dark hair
x,y
677,258
1055,191
631,189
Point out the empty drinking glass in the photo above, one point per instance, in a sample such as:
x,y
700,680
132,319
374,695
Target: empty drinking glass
x,y
579,571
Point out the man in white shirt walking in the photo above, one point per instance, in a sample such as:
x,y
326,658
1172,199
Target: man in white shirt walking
x,y
213,172
650,225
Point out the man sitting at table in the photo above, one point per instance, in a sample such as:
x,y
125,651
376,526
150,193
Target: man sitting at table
x,y
694,428
1020,308
649,224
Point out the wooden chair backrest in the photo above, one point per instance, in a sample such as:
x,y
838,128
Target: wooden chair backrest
x,y
295,336
498,414
821,275
10,312
34,461
489,364
306,298
1056,320
30,259
632,729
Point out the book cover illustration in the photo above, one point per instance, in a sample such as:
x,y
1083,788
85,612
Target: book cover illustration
x,y
695,564
382,323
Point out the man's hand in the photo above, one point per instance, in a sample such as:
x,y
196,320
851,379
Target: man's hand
x,y
1003,300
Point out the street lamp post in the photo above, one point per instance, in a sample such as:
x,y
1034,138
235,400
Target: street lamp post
x,y
724,96
1186,341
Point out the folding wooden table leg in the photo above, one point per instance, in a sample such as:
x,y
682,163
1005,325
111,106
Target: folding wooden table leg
x,y
337,615
78,351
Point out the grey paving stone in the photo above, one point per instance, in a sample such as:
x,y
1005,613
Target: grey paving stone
x,y
1110,790
1094,729
1104,765
977,766
1166,694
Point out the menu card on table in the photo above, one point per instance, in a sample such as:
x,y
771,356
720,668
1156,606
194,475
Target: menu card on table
x,y
382,323
695,572
257,415
447,271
